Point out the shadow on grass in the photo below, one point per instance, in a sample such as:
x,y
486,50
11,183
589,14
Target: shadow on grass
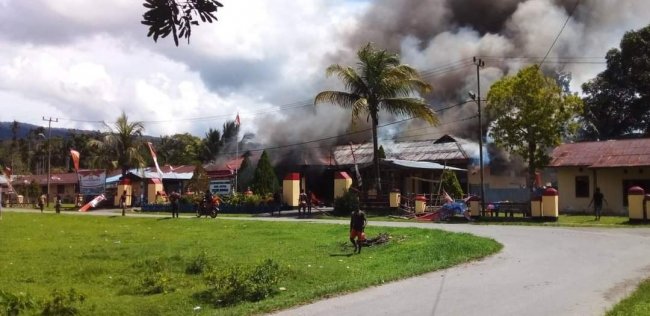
x,y
341,254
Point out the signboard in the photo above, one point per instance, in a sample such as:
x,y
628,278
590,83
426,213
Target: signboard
x,y
92,182
221,187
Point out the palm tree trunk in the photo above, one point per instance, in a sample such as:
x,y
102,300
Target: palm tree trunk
x,y
375,152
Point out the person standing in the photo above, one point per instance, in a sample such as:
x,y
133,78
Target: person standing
x,y
302,205
123,202
357,226
597,200
41,202
173,199
277,201
57,204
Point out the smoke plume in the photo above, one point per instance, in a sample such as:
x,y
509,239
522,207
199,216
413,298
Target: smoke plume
x,y
440,38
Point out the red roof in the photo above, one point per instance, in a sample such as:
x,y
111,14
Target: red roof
x,y
604,154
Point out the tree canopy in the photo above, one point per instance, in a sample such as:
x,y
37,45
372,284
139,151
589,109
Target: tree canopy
x,y
264,180
617,101
176,17
378,83
122,147
531,114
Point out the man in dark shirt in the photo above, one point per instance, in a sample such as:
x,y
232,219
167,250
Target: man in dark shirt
x,y
597,200
357,225
173,199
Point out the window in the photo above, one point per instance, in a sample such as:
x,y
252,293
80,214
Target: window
x,y
582,187
60,189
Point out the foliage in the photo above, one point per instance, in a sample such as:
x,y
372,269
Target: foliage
x,y
381,152
216,142
346,204
636,304
105,255
451,185
247,200
63,303
156,278
237,284
198,264
179,149
378,83
530,115
265,181
245,173
14,304
122,147
199,182
617,101
177,17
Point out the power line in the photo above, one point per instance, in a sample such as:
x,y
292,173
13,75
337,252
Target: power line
x,y
558,34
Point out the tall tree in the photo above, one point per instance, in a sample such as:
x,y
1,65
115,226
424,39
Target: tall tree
x,y
122,147
265,180
177,17
617,101
211,145
179,149
378,83
530,115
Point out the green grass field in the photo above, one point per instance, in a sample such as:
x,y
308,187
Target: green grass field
x,y
637,304
107,259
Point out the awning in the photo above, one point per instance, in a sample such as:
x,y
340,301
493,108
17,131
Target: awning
x,y
418,165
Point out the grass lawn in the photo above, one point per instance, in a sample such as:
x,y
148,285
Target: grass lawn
x,y
637,304
108,259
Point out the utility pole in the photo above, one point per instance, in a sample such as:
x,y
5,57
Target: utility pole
x,y
479,64
49,154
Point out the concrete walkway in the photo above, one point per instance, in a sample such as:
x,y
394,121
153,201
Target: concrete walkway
x,y
540,271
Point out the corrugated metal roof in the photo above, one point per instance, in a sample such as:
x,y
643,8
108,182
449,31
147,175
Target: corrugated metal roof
x,y
41,179
603,154
416,151
420,165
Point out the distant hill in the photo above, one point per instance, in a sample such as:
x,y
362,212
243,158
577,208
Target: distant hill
x,y
24,128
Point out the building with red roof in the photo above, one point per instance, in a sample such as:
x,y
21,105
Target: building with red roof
x,y
613,166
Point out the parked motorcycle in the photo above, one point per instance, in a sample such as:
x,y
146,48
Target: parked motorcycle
x,y
207,209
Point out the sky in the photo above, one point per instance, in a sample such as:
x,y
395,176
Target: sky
x,y
84,62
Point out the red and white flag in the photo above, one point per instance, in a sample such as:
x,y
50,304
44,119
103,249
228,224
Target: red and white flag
x,y
155,160
237,122
92,203
75,159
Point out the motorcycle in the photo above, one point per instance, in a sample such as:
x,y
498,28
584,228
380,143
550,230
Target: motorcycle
x,y
207,209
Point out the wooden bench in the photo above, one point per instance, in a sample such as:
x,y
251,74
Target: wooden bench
x,y
510,208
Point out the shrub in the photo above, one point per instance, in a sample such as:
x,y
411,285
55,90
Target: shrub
x,y
237,284
156,278
14,304
346,204
198,265
156,283
63,303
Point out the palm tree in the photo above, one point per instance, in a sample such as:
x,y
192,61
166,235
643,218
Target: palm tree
x,y
379,82
122,146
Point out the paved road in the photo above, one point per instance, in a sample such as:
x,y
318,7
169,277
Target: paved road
x,y
540,271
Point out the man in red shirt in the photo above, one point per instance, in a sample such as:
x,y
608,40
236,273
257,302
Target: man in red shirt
x,y
357,225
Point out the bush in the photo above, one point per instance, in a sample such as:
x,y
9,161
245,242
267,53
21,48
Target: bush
x,y
346,204
14,304
236,284
62,303
198,265
156,278
156,283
